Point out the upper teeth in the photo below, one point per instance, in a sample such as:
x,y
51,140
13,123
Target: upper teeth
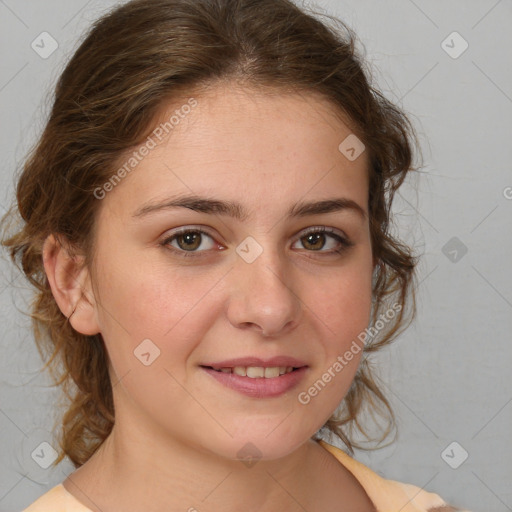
x,y
255,372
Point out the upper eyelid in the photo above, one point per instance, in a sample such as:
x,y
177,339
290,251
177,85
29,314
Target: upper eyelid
x,y
204,230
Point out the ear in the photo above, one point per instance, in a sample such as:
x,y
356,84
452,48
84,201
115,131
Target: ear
x,y
71,285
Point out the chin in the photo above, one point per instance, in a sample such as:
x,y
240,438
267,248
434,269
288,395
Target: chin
x,y
253,445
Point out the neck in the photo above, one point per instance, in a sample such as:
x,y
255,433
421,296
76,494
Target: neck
x,y
141,468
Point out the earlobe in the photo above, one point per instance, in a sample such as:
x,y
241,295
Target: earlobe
x,y
70,283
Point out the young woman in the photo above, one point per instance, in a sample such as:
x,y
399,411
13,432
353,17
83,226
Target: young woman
x,y
205,220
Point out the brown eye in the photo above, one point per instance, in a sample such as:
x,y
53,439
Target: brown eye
x,y
318,238
187,242
190,240
315,241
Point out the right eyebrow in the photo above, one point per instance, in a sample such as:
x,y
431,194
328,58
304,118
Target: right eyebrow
x,y
237,210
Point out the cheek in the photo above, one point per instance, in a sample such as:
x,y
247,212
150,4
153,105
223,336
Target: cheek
x,y
344,303
138,302
343,310
153,323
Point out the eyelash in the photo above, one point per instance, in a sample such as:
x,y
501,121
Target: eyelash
x,y
344,242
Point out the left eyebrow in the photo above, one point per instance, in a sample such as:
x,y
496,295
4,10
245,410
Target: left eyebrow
x,y
237,211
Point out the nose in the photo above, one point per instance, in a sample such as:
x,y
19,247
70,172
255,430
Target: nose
x,y
263,297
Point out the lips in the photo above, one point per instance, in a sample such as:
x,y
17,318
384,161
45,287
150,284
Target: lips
x,y
256,377
258,387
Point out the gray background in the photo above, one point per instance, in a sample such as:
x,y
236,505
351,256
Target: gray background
x,y
448,376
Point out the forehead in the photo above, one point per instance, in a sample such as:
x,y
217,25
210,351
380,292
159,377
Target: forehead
x,y
242,115
264,150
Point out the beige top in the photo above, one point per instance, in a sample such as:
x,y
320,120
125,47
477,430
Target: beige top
x,y
386,495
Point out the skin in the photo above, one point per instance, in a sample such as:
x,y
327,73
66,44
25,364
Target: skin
x,y
174,421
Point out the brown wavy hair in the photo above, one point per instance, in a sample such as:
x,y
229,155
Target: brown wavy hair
x,y
139,57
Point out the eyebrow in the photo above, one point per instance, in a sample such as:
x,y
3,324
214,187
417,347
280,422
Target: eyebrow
x,y
237,211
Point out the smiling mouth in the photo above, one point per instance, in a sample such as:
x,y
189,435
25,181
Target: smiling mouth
x,y
256,372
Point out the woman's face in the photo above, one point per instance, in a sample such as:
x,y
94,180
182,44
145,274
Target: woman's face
x,y
256,285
